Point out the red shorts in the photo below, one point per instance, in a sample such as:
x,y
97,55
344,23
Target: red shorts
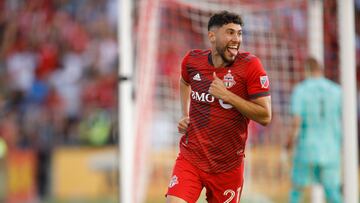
x,y
187,181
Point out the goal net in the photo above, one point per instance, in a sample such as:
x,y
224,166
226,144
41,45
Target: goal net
x,y
275,31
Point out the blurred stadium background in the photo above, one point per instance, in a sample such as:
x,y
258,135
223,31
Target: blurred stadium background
x,y
59,135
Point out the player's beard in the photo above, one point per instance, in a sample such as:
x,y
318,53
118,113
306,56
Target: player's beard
x,y
221,51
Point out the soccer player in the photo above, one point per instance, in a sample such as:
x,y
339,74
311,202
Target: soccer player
x,y
221,89
316,130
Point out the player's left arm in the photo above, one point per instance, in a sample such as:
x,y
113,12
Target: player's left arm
x,y
293,132
258,109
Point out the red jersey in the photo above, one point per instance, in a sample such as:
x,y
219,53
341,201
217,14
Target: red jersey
x,y
216,136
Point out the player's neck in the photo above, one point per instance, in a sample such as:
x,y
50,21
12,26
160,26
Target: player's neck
x,y
317,74
217,61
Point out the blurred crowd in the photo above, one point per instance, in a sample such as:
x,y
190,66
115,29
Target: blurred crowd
x,y
58,72
58,76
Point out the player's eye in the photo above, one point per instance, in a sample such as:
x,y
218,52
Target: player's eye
x,y
231,32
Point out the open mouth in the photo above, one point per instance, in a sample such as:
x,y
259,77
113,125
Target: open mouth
x,y
233,49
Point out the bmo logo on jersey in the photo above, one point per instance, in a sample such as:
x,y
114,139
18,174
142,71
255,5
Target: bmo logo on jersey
x,y
203,97
208,98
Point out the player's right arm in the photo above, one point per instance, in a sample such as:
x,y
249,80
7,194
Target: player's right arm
x,y
296,106
185,90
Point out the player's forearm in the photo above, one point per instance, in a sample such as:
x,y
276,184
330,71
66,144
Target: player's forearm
x,y
295,127
259,111
293,132
185,90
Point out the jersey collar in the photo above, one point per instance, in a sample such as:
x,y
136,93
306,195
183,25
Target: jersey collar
x,y
210,61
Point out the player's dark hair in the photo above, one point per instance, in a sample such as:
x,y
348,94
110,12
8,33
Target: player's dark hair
x,y
224,17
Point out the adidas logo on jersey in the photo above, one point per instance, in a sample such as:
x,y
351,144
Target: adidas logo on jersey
x,y
197,77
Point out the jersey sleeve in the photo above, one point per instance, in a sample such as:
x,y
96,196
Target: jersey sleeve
x,y
184,71
258,84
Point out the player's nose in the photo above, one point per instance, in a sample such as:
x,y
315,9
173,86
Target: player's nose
x,y
236,38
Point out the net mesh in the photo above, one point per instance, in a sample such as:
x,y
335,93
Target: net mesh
x,y
275,32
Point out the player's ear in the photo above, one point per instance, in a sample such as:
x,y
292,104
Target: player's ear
x,y
211,36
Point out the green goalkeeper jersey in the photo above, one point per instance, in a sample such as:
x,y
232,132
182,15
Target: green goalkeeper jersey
x,y
318,102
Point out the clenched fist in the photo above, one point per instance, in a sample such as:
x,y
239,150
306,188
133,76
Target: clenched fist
x,y
183,124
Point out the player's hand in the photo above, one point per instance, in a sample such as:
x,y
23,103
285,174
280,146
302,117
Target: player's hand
x,y
218,89
183,124
289,145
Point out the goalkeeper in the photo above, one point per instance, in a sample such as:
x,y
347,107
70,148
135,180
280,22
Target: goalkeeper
x,y
316,131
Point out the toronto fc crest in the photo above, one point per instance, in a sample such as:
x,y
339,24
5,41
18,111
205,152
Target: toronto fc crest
x,y
229,80
173,181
